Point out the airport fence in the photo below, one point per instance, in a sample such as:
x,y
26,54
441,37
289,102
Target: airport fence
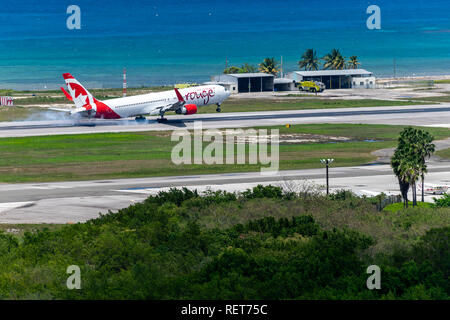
x,y
387,200
6,101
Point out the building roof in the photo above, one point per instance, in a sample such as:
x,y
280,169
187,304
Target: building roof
x,y
249,75
283,80
218,83
346,72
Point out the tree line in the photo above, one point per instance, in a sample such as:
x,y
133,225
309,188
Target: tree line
x,y
180,245
333,60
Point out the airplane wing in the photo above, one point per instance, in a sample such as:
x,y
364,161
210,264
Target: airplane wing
x,y
60,110
76,111
69,97
171,107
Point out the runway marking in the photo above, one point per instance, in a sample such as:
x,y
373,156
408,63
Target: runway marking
x,y
7,206
444,125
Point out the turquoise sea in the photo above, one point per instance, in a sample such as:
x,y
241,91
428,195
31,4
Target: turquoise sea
x,y
165,42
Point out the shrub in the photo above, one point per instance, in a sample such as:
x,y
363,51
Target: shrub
x,y
442,202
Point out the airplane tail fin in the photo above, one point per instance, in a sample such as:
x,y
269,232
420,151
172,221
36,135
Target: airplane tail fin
x,y
179,96
79,94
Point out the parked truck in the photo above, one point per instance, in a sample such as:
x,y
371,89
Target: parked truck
x,y
311,86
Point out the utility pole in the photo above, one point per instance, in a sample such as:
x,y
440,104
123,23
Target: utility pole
x,y
281,70
395,69
124,82
327,163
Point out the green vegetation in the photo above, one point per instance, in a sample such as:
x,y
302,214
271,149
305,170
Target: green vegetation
x,y
263,244
245,68
143,154
442,81
309,60
409,160
19,230
333,60
442,202
309,102
445,153
395,207
269,65
353,62
445,98
17,113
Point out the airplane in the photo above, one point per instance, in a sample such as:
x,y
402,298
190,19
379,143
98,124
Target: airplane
x,y
435,189
183,101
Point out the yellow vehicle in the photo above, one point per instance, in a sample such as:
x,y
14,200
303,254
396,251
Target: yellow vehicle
x,y
185,85
311,86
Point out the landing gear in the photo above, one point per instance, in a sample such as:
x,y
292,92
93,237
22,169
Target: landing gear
x,y
218,109
140,118
162,119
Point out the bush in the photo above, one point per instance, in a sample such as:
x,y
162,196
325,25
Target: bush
x,y
261,191
443,202
162,249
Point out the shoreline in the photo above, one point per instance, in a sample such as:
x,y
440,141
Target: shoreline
x,y
53,87
413,78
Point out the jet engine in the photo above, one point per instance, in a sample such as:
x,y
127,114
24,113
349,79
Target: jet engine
x,y
187,109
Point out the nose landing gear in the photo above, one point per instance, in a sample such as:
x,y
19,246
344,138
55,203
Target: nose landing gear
x,y
218,109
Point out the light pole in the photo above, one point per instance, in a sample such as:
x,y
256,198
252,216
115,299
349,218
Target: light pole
x,y
327,163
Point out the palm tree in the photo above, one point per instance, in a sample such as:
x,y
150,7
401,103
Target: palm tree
x,y
425,148
353,62
339,62
269,65
408,161
399,168
309,60
334,60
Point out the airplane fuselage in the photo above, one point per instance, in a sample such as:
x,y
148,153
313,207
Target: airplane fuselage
x,y
150,104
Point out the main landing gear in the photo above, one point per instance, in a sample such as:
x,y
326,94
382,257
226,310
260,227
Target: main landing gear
x,y
218,109
162,119
140,118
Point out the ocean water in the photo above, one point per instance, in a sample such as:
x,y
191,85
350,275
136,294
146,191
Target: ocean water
x,y
166,42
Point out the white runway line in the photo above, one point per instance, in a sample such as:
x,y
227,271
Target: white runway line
x,y
4,207
442,125
63,210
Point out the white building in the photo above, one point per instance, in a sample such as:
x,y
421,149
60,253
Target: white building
x,y
337,79
244,82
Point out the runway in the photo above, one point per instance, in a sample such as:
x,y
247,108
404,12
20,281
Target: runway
x,y
64,202
420,115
